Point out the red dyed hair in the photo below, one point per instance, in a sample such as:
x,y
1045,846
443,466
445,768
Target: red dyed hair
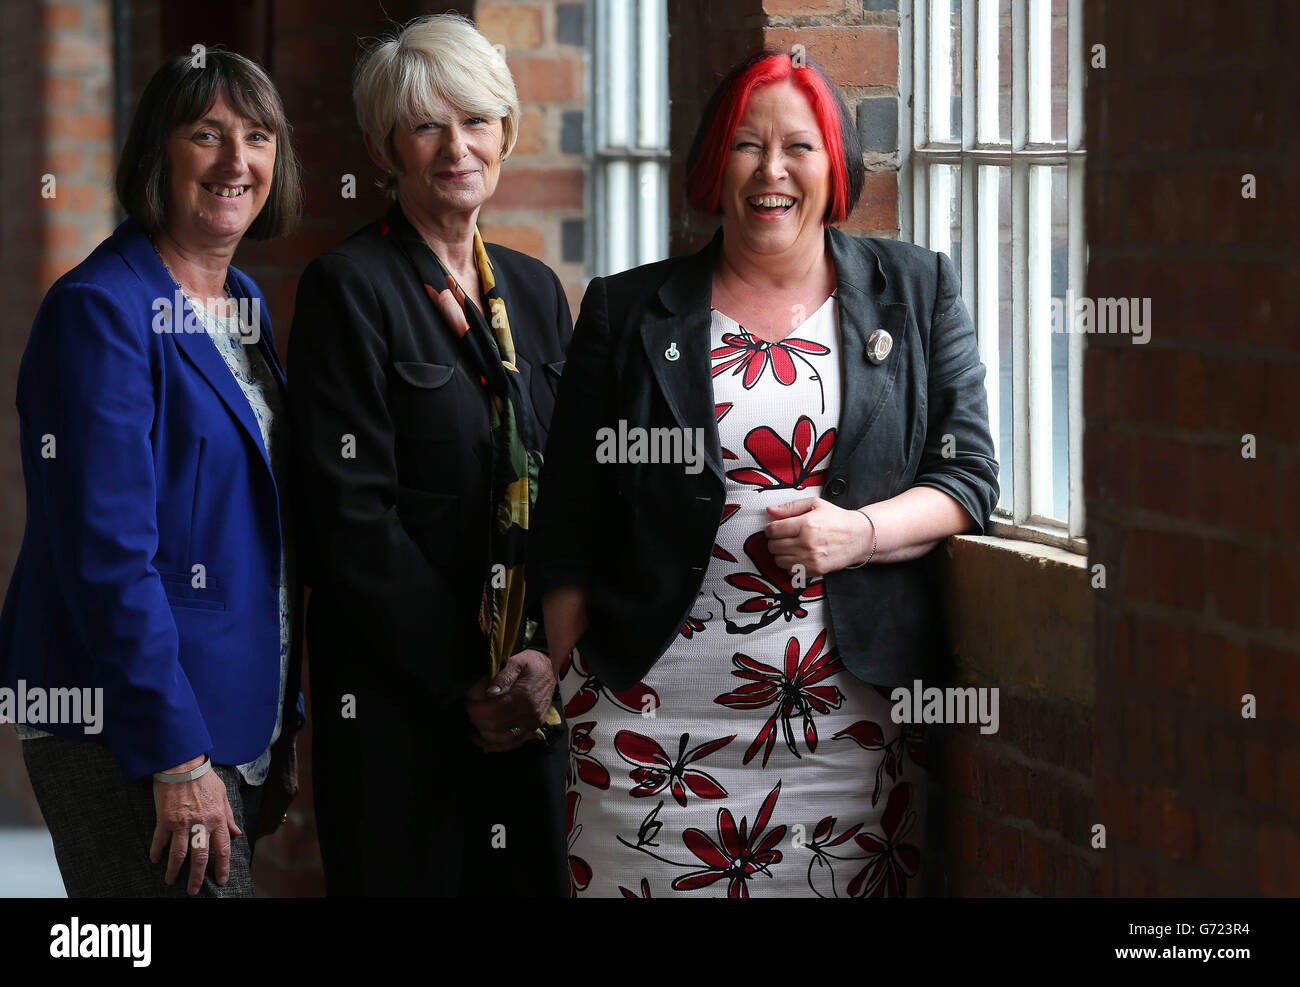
x,y
703,186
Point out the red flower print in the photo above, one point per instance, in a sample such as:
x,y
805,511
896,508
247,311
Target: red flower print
x,y
794,693
579,869
718,551
637,699
653,770
751,355
776,595
720,412
693,625
913,734
645,890
737,854
794,465
890,861
581,763
820,867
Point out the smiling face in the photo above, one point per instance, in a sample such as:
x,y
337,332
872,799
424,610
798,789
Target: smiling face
x,y
777,180
219,174
450,164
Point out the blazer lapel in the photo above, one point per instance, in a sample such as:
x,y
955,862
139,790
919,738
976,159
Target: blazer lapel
x,y
686,382
196,347
865,306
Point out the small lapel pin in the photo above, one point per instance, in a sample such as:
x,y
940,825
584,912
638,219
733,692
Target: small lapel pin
x,y
671,353
879,343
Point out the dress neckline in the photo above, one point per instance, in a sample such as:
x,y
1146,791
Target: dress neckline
x,y
821,309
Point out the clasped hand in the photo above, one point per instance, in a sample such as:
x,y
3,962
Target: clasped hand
x,y
505,710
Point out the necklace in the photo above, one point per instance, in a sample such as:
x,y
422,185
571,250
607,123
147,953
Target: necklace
x,y
244,375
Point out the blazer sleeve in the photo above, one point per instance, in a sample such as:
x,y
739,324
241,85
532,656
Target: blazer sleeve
x,y
87,384
569,506
345,482
957,407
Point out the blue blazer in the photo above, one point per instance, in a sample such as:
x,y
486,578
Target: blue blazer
x,y
142,461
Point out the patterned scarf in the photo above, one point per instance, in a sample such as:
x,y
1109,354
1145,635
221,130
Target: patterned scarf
x,y
516,460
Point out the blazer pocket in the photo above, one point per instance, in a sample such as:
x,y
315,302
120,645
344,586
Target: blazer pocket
x,y
422,507
423,375
554,371
422,403
181,592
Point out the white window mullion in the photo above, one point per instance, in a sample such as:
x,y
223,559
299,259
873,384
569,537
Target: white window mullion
x,y
986,86
1020,365
618,196
940,70
940,201
1019,74
1038,331
1039,63
987,296
1075,273
1076,254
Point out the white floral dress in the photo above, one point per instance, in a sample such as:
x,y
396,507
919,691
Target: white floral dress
x,y
749,761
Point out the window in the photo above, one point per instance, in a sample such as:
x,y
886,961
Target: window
x,y
991,174
629,146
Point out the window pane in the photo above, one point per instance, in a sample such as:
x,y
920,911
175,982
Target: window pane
x,y
1060,350
986,69
945,211
945,70
1059,67
1004,70
1004,381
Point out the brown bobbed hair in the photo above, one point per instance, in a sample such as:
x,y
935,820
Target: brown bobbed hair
x,y
707,159
181,93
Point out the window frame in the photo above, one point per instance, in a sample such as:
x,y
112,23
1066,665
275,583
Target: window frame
x,y
620,156
918,44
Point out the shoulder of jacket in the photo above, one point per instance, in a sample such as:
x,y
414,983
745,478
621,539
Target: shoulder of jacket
x,y
895,253
643,280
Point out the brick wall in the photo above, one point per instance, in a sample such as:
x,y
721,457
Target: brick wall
x,y
56,99
1201,544
538,205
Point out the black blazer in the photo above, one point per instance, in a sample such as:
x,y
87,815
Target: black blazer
x,y
639,536
392,456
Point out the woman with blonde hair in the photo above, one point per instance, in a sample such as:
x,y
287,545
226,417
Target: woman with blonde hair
x,y
425,364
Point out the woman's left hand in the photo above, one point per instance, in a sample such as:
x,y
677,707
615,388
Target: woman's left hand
x,y
507,709
818,535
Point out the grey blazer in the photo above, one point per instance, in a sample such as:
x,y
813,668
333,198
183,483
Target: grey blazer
x,y
638,536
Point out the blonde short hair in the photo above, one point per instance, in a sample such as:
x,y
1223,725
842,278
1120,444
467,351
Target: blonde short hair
x,y
434,61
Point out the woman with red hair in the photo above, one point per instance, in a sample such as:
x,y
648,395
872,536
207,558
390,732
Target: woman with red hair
x,y
753,450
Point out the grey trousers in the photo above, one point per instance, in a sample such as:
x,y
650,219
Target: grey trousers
x,y
102,826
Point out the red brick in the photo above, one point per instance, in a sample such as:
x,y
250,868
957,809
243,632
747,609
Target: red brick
x,y
547,80
60,16
531,137
1261,768
517,26
1164,568
61,90
852,56
539,188
802,8
82,126
525,239
877,209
